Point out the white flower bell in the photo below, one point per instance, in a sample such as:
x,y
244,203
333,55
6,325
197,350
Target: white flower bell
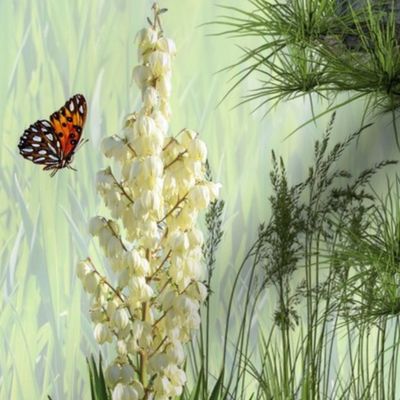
x,y
150,307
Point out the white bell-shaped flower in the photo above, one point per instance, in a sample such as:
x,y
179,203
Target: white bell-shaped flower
x,y
124,392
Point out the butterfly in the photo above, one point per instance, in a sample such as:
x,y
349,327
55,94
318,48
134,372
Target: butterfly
x,y
53,143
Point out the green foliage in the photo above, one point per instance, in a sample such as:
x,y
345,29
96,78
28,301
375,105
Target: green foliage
x,y
368,259
200,392
313,46
365,293
200,354
296,256
213,220
299,229
98,388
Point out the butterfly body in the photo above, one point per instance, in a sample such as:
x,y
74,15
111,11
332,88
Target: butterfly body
x,y
53,143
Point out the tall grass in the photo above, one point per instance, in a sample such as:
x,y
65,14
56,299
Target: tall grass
x,y
294,263
327,260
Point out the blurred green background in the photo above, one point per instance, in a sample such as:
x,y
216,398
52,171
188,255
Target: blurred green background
x,y
52,49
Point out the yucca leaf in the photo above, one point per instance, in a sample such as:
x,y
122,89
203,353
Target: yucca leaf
x,y
98,387
217,387
199,386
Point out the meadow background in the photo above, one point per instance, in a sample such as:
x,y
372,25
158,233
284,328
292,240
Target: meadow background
x,y
52,49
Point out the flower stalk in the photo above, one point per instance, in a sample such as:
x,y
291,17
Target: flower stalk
x,y
154,192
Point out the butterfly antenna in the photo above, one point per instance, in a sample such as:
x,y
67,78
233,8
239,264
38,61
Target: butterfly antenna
x,y
73,169
82,142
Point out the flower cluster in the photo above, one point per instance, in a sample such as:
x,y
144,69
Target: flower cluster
x,y
151,239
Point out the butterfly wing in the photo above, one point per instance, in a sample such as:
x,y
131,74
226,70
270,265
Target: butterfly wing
x,y
68,124
52,143
40,145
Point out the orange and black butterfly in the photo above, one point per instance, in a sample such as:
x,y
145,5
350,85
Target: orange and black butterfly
x,y
53,143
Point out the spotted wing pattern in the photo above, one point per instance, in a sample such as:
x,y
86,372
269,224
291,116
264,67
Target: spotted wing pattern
x,y
68,123
52,143
40,145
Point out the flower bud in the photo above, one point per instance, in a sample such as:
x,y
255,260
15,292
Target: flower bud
x,y
196,237
193,267
104,236
151,201
123,278
148,145
143,268
102,333
179,241
120,318
198,291
178,277
140,290
159,62
164,86
166,299
133,346
149,168
176,375
194,168
112,374
165,108
214,189
122,348
142,76
95,224
127,374
202,291
112,146
145,126
158,362
162,385
133,259
97,315
130,120
139,212
137,328
83,268
104,178
111,308
114,247
186,137
185,305
147,38
146,339
161,122
124,392
90,282
139,388
151,234
151,97
166,45
175,352
197,150
170,192
114,227
199,197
